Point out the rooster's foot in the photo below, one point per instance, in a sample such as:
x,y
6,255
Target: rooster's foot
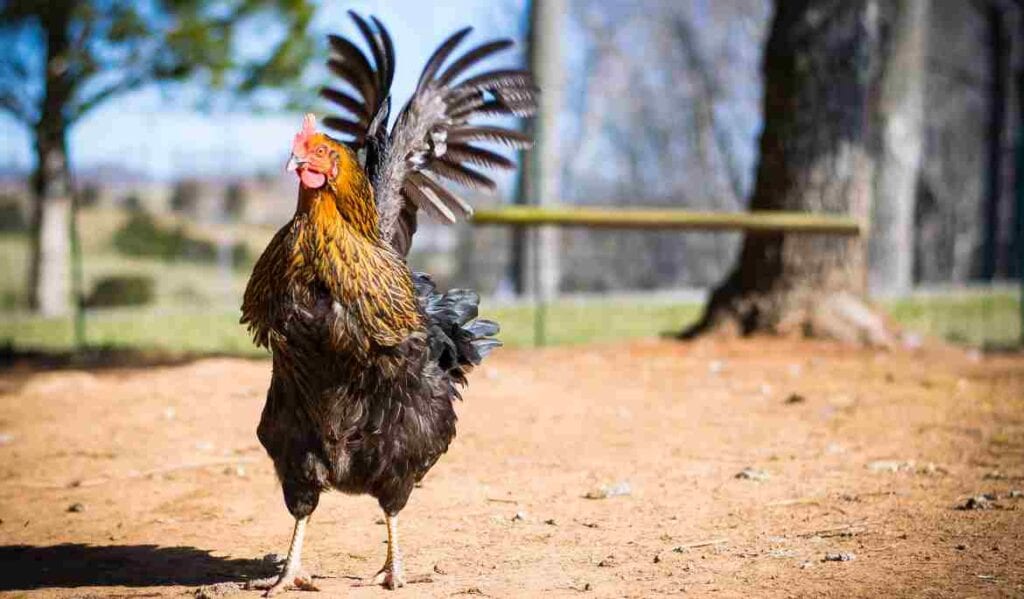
x,y
300,581
389,577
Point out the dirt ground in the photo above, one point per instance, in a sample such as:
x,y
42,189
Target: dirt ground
x,y
149,482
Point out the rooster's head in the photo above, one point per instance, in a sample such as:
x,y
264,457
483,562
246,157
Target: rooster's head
x,y
316,158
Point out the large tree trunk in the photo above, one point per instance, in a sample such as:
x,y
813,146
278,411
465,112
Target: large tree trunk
x,y
898,140
820,67
51,215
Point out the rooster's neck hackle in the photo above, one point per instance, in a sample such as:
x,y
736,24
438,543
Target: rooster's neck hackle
x,y
346,201
336,242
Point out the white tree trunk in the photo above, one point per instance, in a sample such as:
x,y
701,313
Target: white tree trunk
x,y
542,169
900,139
51,285
49,278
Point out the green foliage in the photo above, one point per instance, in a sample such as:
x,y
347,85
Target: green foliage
x,y
88,196
185,197
133,203
122,290
235,199
106,48
12,217
142,236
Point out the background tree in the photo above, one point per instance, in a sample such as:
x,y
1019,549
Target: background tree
x,y
898,140
820,67
535,265
62,58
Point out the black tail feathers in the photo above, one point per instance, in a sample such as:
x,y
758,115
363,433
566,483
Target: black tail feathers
x,y
458,339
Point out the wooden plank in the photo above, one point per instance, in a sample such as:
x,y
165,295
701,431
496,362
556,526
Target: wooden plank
x,y
667,218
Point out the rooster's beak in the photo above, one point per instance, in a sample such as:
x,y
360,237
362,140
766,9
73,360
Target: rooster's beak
x,y
294,163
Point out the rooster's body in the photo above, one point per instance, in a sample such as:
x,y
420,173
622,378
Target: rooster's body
x,y
367,356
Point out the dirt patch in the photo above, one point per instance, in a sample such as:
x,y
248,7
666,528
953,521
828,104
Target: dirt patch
x,y
654,468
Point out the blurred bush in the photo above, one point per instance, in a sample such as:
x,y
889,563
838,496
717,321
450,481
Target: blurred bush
x,y
122,290
133,203
89,195
12,217
142,236
235,200
185,197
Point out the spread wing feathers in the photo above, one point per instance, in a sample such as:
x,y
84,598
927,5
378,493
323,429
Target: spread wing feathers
x,y
432,139
366,113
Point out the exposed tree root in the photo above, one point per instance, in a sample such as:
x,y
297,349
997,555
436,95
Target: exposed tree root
x,y
839,315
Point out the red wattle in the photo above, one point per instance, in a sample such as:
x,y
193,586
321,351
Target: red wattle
x,y
312,179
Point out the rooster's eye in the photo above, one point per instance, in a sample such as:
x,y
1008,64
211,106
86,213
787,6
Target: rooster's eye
x,y
321,151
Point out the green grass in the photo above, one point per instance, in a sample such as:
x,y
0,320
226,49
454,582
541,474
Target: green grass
x,y
971,319
218,331
975,318
200,331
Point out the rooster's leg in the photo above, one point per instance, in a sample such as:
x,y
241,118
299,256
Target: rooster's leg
x,y
391,575
292,575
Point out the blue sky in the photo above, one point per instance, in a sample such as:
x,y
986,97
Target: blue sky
x,y
144,131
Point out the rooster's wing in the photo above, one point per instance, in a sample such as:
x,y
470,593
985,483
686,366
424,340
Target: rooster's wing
x,y
432,137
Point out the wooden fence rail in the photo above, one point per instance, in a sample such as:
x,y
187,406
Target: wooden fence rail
x,y
667,218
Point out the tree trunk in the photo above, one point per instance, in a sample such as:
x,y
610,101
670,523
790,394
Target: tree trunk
x,y
898,143
535,253
49,274
51,184
819,67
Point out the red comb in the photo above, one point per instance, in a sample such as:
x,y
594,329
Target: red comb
x,y
302,137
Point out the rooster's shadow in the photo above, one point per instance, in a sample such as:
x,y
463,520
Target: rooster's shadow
x,y
28,567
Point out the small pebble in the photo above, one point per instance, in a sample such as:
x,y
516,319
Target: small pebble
x,y
752,474
839,557
978,502
216,591
890,465
76,508
618,489
519,517
237,470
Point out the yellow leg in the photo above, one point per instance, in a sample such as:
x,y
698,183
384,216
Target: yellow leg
x,y
391,575
292,574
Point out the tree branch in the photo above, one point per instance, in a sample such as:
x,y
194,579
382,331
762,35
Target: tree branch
x,y
13,106
127,84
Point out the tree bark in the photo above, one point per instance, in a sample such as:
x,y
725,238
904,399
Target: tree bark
x,y
51,183
899,139
535,253
820,67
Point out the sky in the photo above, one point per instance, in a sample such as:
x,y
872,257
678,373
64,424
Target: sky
x,y
146,132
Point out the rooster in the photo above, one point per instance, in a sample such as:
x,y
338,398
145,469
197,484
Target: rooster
x,y
369,357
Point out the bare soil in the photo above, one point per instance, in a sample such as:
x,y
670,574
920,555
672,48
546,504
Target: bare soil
x,y
149,482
